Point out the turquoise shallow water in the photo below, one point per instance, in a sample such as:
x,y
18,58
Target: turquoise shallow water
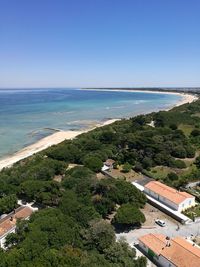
x,y
27,115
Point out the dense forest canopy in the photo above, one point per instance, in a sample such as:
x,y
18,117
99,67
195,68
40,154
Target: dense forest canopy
x,y
72,226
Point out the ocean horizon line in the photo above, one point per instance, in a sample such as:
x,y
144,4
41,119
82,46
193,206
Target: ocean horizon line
x,y
60,136
100,87
52,109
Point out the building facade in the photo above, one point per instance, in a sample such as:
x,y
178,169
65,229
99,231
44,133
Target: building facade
x,y
166,252
8,223
108,165
169,196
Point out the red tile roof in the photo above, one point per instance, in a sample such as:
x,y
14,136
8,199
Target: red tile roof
x,y
168,192
7,223
181,252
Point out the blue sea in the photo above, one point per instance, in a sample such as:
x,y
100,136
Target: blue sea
x,y
27,115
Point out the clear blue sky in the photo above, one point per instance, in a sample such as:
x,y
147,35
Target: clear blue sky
x,y
65,43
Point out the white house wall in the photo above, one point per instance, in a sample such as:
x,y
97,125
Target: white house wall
x,y
187,203
159,259
161,199
164,262
143,247
3,238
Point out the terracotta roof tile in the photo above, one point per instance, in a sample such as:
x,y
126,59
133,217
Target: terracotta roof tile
x,y
154,242
7,223
168,192
181,252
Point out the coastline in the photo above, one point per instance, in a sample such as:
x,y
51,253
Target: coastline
x,y
186,98
46,142
138,91
60,136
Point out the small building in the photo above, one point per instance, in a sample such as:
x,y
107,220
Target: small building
x,y
108,165
166,252
8,223
169,196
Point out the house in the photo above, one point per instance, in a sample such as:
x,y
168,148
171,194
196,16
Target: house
x,y
108,165
169,196
8,223
166,252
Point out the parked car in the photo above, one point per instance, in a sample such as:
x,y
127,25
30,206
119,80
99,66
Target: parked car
x,y
160,222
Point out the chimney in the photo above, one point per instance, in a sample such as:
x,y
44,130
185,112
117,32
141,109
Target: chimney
x,y
168,244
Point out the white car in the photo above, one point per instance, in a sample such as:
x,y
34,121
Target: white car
x,y
160,222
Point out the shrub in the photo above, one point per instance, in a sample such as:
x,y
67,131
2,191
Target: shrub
x,y
93,163
172,176
195,132
126,167
127,215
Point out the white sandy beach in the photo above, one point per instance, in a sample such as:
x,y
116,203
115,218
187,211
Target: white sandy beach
x,y
44,143
186,98
66,135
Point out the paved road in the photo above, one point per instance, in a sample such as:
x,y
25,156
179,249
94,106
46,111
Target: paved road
x,y
192,184
171,230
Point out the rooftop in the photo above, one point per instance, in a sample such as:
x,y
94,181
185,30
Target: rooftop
x,y
7,223
109,162
168,192
181,252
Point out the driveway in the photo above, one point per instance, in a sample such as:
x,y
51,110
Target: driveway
x,y
171,230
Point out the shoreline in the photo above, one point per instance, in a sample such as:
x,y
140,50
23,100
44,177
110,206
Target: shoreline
x,y
186,98
46,142
141,91
60,136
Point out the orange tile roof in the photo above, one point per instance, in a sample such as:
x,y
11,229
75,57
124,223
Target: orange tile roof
x,y
6,224
23,213
180,252
154,242
168,192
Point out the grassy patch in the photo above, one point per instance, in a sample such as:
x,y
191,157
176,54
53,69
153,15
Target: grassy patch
x,y
130,176
193,212
189,170
160,172
187,129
